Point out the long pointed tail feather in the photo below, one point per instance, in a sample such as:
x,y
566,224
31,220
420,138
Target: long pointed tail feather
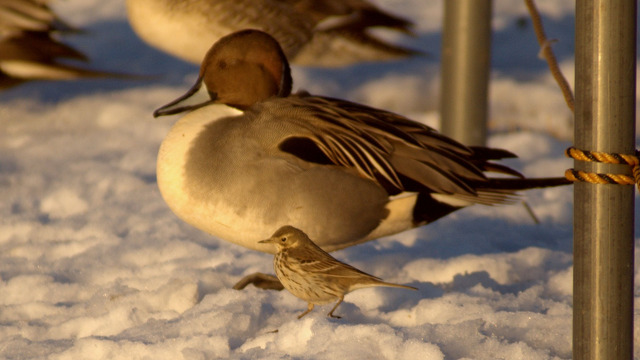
x,y
521,184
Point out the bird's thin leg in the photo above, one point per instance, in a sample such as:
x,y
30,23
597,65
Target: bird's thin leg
x,y
330,314
309,308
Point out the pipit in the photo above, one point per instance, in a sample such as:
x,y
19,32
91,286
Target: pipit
x,y
311,274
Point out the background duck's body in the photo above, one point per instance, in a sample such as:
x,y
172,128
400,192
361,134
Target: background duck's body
x,y
311,32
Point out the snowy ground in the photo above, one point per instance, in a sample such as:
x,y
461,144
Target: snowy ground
x,y
94,265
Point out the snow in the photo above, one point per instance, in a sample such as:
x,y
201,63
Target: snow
x,y
94,265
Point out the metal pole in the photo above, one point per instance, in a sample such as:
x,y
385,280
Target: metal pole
x,y
466,57
603,214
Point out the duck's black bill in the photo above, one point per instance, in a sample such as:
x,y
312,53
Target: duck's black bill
x,y
195,98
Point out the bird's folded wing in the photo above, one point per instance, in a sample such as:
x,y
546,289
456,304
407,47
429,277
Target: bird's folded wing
x,y
397,153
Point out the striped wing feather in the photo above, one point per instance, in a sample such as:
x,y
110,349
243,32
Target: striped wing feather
x,y
398,153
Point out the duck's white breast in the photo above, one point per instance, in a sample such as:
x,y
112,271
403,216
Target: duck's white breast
x,y
210,213
216,174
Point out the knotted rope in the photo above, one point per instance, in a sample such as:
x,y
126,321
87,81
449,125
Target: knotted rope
x,y
578,175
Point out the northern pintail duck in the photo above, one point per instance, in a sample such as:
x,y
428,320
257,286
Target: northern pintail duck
x,y
28,49
344,172
311,32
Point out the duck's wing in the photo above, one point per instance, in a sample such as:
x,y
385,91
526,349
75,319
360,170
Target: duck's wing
x,y
354,15
397,153
18,16
342,33
29,49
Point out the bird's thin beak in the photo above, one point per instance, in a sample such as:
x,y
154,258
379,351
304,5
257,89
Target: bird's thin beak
x,y
266,241
195,98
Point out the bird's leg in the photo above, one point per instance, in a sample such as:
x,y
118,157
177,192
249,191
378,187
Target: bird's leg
x,y
259,280
309,308
330,314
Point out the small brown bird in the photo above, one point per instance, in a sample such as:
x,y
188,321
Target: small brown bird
x,y
311,274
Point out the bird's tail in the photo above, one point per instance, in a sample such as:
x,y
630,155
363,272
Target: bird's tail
x,y
521,183
388,284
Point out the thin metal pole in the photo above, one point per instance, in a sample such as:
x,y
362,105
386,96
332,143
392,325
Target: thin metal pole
x,y
603,214
466,57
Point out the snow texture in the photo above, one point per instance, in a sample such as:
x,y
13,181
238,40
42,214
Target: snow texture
x,y
93,264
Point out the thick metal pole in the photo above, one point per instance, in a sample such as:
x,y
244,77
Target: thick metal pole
x,y
603,214
466,57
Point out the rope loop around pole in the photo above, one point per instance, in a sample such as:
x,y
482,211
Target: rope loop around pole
x,y
608,158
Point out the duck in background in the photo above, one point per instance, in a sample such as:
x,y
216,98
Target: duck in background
x,y
345,172
327,33
29,49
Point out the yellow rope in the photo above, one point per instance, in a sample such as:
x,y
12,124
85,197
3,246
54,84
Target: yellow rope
x,y
577,175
